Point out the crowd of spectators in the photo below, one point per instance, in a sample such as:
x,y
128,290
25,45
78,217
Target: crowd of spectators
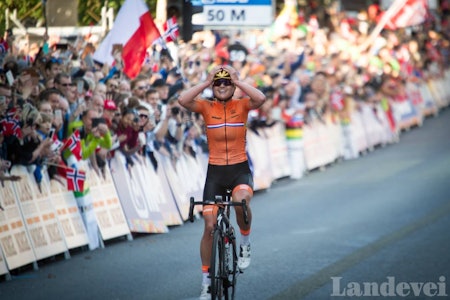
x,y
308,72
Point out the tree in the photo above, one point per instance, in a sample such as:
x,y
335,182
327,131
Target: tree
x,y
30,12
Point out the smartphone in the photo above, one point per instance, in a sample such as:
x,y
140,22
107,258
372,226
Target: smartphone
x,y
61,46
10,78
98,121
58,113
80,86
51,133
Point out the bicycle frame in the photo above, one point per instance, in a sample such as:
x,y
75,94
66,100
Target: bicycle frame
x,y
223,268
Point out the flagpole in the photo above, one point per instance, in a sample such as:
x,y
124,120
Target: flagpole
x,y
164,45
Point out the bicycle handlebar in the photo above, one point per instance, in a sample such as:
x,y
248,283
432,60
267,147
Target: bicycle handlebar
x,y
217,202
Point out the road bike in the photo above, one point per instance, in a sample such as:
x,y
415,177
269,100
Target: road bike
x,y
223,269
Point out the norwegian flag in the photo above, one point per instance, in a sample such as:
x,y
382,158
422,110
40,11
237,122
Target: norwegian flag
x,y
75,180
10,126
73,143
171,30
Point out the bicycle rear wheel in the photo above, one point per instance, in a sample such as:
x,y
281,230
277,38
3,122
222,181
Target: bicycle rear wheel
x,y
216,268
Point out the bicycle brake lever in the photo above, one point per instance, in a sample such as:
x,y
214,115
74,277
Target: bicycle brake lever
x,y
191,210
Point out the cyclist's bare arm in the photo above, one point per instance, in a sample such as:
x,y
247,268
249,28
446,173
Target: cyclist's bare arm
x,y
187,98
257,98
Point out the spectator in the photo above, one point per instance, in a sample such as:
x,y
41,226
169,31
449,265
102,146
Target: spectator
x,y
139,86
93,133
147,127
163,89
128,133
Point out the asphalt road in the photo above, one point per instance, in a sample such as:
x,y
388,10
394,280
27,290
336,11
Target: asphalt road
x,y
374,226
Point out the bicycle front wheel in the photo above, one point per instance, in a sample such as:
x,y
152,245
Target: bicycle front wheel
x,y
231,267
216,267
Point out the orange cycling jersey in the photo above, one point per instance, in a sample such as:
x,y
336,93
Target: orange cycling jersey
x,y
226,128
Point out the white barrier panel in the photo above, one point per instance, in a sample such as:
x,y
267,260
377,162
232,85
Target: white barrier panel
x,y
193,175
69,217
140,218
438,94
406,114
321,144
108,211
430,107
375,125
278,151
259,158
441,88
3,267
180,196
157,199
294,142
358,133
86,206
39,215
334,141
14,239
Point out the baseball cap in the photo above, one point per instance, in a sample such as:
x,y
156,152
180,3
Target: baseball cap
x,y
109,105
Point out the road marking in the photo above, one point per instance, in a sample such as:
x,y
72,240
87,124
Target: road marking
x,y
322,277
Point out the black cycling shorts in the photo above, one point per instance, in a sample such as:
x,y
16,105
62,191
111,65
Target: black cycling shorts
x,y
219,179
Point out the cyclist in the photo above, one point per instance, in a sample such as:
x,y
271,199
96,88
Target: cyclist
x,y
228,167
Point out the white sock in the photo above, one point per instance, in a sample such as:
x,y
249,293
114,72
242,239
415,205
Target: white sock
x,y
206,279
245,240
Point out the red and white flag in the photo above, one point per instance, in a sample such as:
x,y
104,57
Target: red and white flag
x,y
10,126
171,30
411,13
75,180
133,28
73,143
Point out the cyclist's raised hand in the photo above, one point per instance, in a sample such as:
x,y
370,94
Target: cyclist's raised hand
x,y
210,77
233,73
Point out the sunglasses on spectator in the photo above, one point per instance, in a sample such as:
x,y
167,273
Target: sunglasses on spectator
x,y
113,86
143,116
225,82
56,60
66,84
144,87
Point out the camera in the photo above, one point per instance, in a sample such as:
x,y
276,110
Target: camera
x,y
175,110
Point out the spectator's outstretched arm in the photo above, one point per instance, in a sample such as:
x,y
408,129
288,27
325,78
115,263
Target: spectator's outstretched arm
x,y
163,126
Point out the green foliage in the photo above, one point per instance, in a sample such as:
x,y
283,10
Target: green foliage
x,y
26,11
29,12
